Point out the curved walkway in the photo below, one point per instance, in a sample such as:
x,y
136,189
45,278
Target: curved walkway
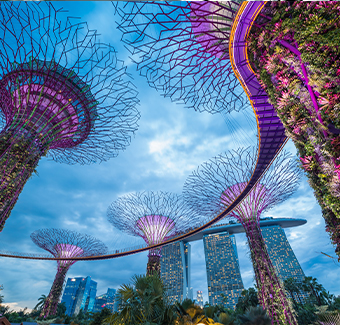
x,y
270,129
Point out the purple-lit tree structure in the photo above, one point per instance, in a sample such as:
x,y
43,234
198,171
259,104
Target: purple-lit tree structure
x,y
64,243
219,182
294,51
154,216
183,50
62,94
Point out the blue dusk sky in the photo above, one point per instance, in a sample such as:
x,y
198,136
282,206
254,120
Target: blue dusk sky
x,y
170,143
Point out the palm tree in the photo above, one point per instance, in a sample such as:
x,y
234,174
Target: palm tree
x,y
255,316
247,299
312,286
41,303
143,302
190,314
293,288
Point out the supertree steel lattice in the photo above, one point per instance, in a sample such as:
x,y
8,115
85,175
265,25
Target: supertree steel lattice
x,y
219,182
64,243
62,93
154,216
295,54
182,48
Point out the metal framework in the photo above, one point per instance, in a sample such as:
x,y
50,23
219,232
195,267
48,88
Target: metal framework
x,y
154,216
63,93
182,48
218,182
64,243
271,133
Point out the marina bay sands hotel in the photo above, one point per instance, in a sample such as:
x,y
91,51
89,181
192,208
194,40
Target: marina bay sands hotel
x,y
222,263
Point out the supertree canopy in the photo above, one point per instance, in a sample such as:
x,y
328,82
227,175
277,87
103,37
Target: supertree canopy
x,y
294,51
62,94
64,243
154,216
219,182
183,50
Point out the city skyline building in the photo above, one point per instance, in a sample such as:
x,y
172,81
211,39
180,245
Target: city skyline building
x,y
105,300
79,294
281,253
175,270
223,270
279,249
199,298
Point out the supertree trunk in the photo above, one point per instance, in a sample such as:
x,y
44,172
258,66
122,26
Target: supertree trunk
x,y
19,156
270,291
51,304
154,263
298,67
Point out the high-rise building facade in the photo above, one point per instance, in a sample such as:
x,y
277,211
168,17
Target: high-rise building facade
x,y
199,298
223,271
223,274
175,271
105,300
79,293
281,253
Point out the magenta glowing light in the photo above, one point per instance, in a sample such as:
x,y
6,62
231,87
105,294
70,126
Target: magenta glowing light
x,y
252,206
218,182
182,48
63,94
67,250
156,228
153,216
211,24
64,244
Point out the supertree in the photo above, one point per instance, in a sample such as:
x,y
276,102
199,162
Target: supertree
x,y
294,52
219,182
154,216
62,93
64,243
182,48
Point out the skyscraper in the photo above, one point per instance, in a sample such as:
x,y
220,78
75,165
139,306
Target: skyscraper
x,y
223,271
175,270
105,300
281,253
220,252
79,293
199,298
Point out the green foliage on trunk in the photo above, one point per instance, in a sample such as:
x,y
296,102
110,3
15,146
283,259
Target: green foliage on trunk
x,y
313,28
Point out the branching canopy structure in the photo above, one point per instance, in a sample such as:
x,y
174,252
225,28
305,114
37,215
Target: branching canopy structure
x,y
64,243
219,182
62,93
154,216
182,48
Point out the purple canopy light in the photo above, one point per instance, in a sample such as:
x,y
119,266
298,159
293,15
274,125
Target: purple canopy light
x,y
182,48
62,93
154,217
219,182
64,243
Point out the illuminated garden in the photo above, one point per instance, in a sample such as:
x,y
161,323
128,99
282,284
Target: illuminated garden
x,y
167,120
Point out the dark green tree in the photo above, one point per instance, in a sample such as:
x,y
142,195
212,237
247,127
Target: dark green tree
x,y
143,302
255,316
61,310
247,299
294,288
98,318
315,290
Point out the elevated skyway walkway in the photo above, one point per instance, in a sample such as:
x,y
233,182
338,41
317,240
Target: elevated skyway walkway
x,y
271,132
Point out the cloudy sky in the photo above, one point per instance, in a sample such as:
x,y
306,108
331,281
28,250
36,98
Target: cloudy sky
x,y
171,141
